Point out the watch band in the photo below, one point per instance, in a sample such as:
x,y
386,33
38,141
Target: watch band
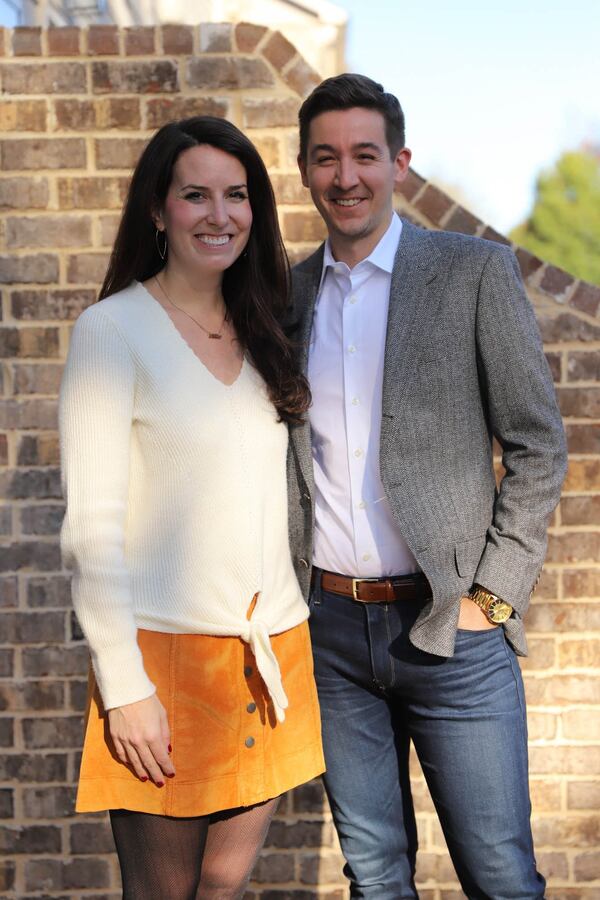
x,y
496,609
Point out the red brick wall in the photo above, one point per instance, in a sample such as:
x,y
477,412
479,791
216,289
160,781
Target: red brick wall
x,y
77,106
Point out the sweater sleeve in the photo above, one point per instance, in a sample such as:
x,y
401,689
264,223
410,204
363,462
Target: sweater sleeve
x,y
95,421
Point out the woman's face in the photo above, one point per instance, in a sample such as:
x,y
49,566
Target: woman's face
x,y
207,215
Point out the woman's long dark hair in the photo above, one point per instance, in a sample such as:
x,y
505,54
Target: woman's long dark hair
x,y
255,288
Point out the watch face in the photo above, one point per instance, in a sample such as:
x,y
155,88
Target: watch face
x,y
499,611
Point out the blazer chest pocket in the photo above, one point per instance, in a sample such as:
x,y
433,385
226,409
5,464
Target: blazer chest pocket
x,y
467,555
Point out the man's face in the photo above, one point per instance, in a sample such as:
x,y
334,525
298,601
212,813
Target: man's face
x,y
351,176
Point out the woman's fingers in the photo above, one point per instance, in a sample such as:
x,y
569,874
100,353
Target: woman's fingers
x,y
140,734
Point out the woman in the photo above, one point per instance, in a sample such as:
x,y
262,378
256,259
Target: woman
x,y
174,404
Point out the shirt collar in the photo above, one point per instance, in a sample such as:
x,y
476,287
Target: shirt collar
x,y
382,255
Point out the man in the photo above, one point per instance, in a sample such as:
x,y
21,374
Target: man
x,y
420,347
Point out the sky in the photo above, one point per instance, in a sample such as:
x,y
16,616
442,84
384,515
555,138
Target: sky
x,y
492,92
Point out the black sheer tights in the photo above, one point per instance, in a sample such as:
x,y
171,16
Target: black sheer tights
x,y
198,858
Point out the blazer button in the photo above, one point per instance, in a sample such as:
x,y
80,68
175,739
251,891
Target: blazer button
x,y
304,563
306,497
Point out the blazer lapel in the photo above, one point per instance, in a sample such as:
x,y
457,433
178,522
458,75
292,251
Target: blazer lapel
x,y
414,296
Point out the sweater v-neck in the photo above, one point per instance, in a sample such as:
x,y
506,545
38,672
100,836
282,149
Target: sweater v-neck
x,y
178,335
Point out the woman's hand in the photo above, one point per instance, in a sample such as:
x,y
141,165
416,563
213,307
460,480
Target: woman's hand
x,y
141,738
471,617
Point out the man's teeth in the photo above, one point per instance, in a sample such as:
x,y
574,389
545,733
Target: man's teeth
x,y
354,202
214,240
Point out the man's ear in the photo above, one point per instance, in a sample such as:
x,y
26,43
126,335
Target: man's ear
x,y
302,167
401,165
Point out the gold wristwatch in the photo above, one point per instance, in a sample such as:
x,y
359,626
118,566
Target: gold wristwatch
x,y
496,610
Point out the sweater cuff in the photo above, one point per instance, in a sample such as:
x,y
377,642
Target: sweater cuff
x,y
120,676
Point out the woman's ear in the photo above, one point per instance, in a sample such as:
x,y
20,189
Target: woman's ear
x,y
158,221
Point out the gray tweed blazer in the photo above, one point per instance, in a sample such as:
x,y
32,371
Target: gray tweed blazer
x,y
463,363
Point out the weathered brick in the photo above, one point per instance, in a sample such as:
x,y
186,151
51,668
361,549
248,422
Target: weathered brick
x,y
29,342
33,555
567,831
301,227
57,661
557,329
581,510
463,221
24,232
33,767
86,268
301,77
228,73
6,525
545,795
75,115
41,484
107,112
411,185
76,632
29,696
31,628
296,834
3,449
30,839
9,593
582,583
562,689
541,654
92,193
433,203
216,37
561,617
554,361
49,591
319,869
583,438
583,474
78,694
583,795
41,268
580,654
42,153
43,78
289,189
109,225
37,378
161,110
528,263
586,298
52,733
63,41
27,41
103,40
584,366
278,50
84,835
23,193
309,797
43,519
139,40
586,866
7,806
38,413
118,153
38,450
55,304
23,115
248,36
269,112
7,663
490,234
7,875
48,802
581,724
177,39
7,732
158,76
556,281
574,548
56,874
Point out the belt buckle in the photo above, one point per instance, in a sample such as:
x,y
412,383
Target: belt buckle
x,y
355,582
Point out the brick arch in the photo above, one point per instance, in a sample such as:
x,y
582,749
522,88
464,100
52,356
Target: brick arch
x,y
78,104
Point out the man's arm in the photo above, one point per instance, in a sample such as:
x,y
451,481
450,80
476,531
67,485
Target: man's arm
x,y
525,419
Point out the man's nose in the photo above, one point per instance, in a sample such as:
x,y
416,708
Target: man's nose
x,y
346,174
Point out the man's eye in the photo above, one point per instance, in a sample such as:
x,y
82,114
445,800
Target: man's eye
x,y
366,156
323,160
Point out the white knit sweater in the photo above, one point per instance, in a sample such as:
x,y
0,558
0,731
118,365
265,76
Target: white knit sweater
x,y
176,496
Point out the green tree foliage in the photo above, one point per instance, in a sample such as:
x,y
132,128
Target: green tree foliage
x,y
564,225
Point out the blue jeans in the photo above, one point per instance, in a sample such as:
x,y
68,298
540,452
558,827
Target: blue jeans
x,y
466,718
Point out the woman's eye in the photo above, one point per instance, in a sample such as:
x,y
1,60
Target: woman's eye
x,y
193,195
239,195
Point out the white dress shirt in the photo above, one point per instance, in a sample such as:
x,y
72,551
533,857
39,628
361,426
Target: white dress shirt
x,y
355,532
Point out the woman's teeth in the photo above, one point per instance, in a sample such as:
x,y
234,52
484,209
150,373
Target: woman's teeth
x,y
214,240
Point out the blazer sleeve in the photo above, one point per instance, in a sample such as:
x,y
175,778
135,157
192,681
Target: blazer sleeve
x,y
95,422
525,419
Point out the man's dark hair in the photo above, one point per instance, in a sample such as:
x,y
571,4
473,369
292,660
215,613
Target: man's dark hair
x,y
348,91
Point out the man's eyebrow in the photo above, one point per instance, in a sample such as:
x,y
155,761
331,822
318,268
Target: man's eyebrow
x,y
361,145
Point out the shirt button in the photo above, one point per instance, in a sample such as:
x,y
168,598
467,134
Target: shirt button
x,y
248,671
351,349
362,504
251,707
366,556
355,401
353,298
358,453
249,742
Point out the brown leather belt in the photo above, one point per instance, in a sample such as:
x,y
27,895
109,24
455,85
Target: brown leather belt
x,y
375,590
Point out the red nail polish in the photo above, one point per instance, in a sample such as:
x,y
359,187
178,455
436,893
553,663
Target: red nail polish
x,y
169,748
143,778
171,776
160,784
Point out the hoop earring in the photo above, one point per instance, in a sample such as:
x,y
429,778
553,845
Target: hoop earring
x,y
162,253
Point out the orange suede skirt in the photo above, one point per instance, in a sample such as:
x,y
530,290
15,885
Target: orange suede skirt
x,y
228,748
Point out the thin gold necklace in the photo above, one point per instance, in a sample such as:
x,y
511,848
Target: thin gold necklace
x,y
214,335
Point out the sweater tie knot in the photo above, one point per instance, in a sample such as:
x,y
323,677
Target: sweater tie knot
x,y
256,634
